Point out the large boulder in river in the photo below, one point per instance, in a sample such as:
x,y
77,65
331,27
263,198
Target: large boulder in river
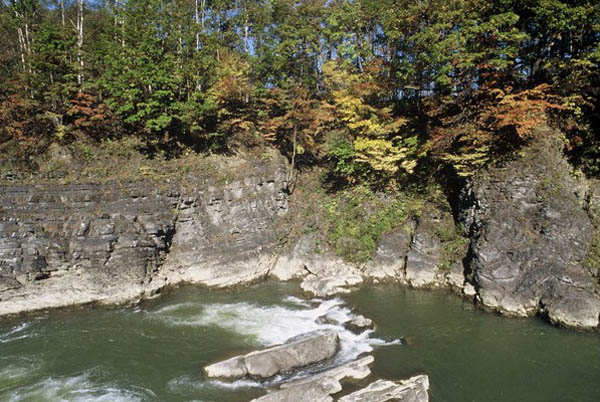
x,y
530,235
299,352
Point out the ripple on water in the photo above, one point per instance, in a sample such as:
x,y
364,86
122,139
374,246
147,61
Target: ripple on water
x,y
17,332
16,370
81,388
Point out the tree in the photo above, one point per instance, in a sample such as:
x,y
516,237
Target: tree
x,y
297,125
378,140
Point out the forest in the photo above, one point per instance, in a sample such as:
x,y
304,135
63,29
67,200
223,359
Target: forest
x,y
377,91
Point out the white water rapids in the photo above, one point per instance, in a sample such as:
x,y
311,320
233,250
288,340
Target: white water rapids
x,y
22,377
273,325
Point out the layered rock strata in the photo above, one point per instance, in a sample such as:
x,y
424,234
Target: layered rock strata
x,y
114,243
412,390
320,387
529,223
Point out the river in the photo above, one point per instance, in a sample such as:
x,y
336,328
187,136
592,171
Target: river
x,y
156,351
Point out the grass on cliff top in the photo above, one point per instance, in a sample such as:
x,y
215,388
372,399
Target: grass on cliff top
x,y
122,160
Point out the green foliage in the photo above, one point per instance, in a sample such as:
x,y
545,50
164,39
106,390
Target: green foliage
x,y
342,155
410,84
454,242
54,80
357,218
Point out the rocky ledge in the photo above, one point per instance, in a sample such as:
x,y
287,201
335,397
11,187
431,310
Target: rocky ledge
x,y
117,243
412,390
528,226
530,231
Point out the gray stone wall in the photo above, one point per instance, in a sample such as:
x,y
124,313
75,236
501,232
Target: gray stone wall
x,y
111,243
529,237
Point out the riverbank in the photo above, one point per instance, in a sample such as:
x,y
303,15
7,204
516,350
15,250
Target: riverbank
x,y
515,239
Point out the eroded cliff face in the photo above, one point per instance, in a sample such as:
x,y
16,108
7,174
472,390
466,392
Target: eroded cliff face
x,y
114,243
81,243
529,237
527,222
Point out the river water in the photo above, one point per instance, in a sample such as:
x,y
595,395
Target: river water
x,y
156,351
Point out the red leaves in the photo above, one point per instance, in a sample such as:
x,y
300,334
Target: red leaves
x,y
522,111
16,116
87,114
491,121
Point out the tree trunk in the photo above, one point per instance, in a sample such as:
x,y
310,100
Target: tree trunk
x,y
80,43
24,41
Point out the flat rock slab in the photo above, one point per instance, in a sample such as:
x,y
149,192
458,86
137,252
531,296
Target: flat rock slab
x,y
320,387
306,392
310,348
332,282
412,390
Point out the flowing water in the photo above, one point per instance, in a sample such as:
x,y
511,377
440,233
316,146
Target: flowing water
x,y
156,351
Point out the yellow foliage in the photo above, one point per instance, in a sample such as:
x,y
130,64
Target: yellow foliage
x,y
233,78
383,155
375,128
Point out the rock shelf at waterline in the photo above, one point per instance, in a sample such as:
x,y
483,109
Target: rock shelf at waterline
x,y
319,387
118,243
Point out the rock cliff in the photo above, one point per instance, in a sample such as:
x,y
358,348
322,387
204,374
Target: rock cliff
x,y
529,236
114,243
527,224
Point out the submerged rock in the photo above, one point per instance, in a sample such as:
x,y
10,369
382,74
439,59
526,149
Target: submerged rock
x,y
320,386
412,390
310,348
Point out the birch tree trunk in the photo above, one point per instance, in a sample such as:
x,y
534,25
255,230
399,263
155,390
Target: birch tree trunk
x,y
197,17
80,42
24,40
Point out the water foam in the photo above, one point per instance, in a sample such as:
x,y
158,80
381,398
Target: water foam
x,y
15,333
186,383
273,324
80,388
